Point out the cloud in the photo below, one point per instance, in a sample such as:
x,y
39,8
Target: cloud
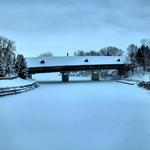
x,y
109,18
72,15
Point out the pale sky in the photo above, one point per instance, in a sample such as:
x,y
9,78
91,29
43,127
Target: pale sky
x,y
63,26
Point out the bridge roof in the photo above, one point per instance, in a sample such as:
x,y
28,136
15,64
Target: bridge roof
x,y
75,61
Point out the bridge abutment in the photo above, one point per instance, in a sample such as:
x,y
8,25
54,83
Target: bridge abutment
x,y
65,77
95,76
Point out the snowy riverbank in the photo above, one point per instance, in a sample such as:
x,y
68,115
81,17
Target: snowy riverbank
x,y
142,79
140,76
17,85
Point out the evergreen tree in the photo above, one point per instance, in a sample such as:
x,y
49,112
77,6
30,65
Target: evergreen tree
x,y
132,51
143,56
139,57
21,67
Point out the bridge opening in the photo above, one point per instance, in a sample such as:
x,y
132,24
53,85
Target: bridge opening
x,y
93,75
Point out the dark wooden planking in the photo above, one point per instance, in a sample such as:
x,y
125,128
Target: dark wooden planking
x,y
34,70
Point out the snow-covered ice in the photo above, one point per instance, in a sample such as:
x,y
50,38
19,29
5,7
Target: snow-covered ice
x,y
76,116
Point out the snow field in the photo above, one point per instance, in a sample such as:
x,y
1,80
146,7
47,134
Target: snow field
x,y
76,116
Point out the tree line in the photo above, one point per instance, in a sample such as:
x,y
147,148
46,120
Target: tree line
x,y
137,55
140,56
108,51
11,64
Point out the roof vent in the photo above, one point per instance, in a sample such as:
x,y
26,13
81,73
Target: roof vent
x,y
42,62
86,60
118,60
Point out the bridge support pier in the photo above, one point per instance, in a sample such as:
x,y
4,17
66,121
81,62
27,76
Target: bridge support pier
x,y
30,76
65,77
95,76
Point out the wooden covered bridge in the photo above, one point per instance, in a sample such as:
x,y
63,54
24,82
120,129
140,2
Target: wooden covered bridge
x,y
68,64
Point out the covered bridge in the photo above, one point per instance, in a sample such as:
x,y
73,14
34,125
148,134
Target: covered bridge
x,y
76,63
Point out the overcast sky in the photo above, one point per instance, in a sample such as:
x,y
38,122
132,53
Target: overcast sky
x,y
69,25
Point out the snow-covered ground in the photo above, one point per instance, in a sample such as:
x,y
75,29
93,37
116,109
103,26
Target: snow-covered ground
x,y
15,83
76,116
141,76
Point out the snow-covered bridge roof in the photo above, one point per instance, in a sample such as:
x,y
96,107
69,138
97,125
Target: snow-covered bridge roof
x,y
75,61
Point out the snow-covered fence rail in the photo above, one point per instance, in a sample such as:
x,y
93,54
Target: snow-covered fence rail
x,y
19,89
127,82
8,78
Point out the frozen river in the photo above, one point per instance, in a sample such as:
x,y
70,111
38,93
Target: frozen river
x,y
76,116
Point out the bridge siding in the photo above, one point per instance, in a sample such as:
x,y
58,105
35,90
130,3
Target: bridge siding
x,y
34,70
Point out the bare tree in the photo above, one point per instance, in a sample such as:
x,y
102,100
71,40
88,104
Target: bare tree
x,y
46,54
145,42
111,51
7,55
